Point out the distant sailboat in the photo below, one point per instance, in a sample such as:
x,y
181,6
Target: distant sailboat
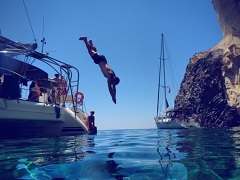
x,y
169,119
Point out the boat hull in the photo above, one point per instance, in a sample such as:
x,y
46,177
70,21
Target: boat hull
x,y
168,123
16,128
24,118
174,123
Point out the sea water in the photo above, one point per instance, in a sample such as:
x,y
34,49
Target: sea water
x,y
125,154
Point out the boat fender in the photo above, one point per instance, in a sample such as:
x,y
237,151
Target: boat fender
x,y
78,100
57,111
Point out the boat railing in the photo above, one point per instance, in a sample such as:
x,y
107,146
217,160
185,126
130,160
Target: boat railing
x,y
66,97
46,96
64,70
27,56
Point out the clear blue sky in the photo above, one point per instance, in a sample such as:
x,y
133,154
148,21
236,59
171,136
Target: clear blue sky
x,y
128,33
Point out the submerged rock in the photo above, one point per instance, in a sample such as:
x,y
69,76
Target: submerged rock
x,y
211,84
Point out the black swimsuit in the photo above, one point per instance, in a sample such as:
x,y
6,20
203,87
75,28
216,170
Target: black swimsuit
x,y
97,58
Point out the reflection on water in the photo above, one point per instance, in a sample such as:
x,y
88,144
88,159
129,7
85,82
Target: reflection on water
x,y
125,154
166,160
212,153
170,156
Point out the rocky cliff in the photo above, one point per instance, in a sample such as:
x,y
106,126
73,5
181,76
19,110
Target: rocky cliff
x,y
211,84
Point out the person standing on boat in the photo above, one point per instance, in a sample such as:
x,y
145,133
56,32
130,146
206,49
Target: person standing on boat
x,y
107,71
56,91
63,85
58,81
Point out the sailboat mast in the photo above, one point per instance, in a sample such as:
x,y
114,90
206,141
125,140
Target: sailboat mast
x,y
162,63
159,80
164,77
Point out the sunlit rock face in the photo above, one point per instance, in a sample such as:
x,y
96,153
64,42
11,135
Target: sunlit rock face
x,y
211,84
228,16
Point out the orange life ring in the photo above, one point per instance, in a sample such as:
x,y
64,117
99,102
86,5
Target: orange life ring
x,y
78,100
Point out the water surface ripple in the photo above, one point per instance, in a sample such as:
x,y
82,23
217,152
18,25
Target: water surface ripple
x,y
125,154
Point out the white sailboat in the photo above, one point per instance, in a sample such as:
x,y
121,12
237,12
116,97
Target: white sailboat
x,y
23,117
174,118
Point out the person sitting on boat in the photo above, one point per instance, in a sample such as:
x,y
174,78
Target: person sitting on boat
x,y
91,123
34,92
107,71
91,120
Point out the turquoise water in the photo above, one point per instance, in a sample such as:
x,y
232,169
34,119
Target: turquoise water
x,y
125,154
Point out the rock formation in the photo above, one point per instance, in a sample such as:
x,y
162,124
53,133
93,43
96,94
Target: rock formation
x,y
211,84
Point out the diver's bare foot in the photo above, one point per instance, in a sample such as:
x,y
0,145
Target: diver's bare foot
x,y
90,42
83,38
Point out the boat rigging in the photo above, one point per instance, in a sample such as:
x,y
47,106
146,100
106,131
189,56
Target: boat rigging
x,y
170,118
